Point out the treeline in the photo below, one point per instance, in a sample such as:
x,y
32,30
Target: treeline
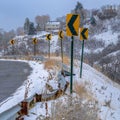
x,y
30,28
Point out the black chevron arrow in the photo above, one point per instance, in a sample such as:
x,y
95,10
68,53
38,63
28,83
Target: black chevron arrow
x,y
12,41
83,33
49,36
70,24
61,35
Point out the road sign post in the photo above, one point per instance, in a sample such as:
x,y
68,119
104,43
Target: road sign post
x,y
49,48
12,42
82,58
71,76
72,29
34,43
62,50
13,49
34,49
83,35
48,37
61,35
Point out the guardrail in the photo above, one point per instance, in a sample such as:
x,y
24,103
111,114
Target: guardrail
x,y
10,114
18,111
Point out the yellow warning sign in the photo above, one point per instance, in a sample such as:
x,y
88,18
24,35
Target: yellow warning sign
x,y
72,24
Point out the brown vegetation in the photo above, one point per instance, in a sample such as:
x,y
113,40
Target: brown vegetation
x,y
73,108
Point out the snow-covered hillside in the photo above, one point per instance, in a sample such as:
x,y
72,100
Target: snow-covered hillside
x,y
108,37
105,92
24,44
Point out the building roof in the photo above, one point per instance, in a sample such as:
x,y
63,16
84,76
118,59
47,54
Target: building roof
x,y
53,23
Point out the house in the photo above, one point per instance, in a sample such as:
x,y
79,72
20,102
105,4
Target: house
x,y
52,26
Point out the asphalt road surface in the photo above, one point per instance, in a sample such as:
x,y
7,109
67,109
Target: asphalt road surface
x,y
12,76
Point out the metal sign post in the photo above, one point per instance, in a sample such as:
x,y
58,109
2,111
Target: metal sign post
x,y
82,59
61,36
34,43
13,49
49,48
83,36
62,51
72,29
48,37
34,49
71,75
12,42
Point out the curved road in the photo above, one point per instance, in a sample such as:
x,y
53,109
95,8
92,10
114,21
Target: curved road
x,y
12,76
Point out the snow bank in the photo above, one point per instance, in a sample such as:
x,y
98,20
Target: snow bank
x,y
106,92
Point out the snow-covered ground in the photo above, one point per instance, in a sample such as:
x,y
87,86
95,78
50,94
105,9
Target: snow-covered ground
x,y
114,53
20,40
54,42
107,37
106,92
103,90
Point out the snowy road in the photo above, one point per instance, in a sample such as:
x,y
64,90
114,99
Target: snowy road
x,y
12,75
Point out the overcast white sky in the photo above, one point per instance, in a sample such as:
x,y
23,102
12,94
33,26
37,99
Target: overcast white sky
x,y
14,12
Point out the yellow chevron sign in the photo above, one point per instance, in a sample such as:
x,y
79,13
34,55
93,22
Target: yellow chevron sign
x,y
12,42
61,34
83,33
48,37
72,24
34,40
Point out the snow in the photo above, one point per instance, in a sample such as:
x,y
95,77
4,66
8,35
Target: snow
x,y
103,90
19,37
38,110
114,53
108,37
53,44
40,34
86,50
53,23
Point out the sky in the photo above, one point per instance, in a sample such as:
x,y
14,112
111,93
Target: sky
x,y
14,12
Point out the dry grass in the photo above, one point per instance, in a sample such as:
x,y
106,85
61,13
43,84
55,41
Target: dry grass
x,y
74,110
54,62
66,60
50,64
82,92
80,89
97,68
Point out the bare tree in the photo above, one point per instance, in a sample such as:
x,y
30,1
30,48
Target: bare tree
x,y
41,21
20,31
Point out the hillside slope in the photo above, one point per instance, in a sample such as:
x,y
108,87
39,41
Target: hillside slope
x,y
103,92
106,92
